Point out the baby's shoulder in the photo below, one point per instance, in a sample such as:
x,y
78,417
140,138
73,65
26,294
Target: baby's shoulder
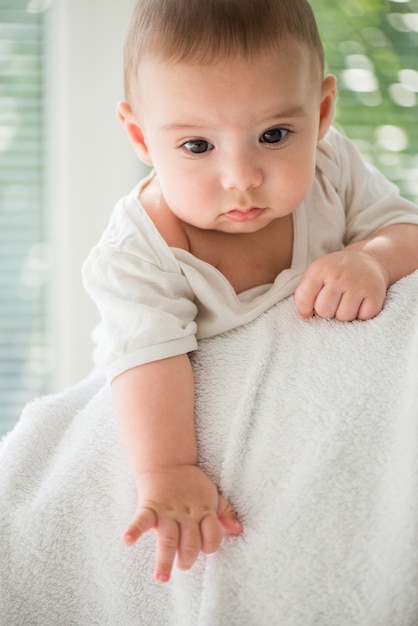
x,y
336,159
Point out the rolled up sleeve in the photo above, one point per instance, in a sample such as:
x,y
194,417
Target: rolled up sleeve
x,y
372,202
147,312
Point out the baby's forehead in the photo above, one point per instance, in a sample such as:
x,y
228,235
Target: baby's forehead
x,y
282,53
269,73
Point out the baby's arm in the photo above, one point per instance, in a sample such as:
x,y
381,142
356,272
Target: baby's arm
x,y
352,283
154,406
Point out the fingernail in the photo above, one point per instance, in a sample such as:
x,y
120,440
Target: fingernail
x,y
162,578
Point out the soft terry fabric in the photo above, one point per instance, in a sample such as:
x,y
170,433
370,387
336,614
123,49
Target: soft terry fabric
x,y
309,427
155,301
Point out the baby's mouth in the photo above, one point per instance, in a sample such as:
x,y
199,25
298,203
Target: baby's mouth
x,y
247,215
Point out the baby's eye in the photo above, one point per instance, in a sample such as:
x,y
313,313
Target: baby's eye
x,y
197,146
274,135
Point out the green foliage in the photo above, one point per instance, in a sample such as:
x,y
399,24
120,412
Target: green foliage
x,y
372,47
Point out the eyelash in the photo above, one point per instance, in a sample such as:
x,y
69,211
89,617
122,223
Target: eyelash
x,y
207,146
274,130
203,142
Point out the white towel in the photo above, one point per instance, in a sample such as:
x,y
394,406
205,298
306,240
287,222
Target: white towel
x,y
311,430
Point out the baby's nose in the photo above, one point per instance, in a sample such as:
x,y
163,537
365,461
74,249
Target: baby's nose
x,y
241,173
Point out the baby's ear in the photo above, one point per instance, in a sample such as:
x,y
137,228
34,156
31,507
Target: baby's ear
x,y
134,132
326,111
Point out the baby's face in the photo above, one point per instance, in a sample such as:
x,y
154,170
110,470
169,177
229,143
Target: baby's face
x,y
233,143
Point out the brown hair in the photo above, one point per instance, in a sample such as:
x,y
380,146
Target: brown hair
x,y
202,31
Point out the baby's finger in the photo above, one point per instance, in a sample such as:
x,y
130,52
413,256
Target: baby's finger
x,y
349,307
227,517
167,545
190,545
327,302
370,307
306,294
142,523
211,533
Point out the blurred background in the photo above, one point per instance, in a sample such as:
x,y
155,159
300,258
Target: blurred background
x,y
64,160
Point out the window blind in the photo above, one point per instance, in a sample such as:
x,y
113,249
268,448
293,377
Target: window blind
x,y
23,252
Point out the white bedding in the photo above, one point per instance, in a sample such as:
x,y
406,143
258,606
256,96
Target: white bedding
x,y
310,429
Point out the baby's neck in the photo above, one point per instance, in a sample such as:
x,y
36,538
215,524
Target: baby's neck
x,y
246,260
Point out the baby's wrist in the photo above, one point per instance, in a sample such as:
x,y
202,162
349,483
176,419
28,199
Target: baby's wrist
x,y
166,466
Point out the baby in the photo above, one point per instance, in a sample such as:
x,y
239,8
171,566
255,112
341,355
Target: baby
x,y
253,196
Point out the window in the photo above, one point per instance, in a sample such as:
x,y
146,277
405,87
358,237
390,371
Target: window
x,y
24,339
64,162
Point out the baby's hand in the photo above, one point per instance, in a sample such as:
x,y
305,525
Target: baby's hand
x,y
183,505
348,285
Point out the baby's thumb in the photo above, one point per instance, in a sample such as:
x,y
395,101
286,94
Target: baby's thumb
x,y
228,518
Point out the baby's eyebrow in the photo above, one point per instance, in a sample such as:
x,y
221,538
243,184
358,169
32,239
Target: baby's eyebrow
x,y
294,111
178,126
